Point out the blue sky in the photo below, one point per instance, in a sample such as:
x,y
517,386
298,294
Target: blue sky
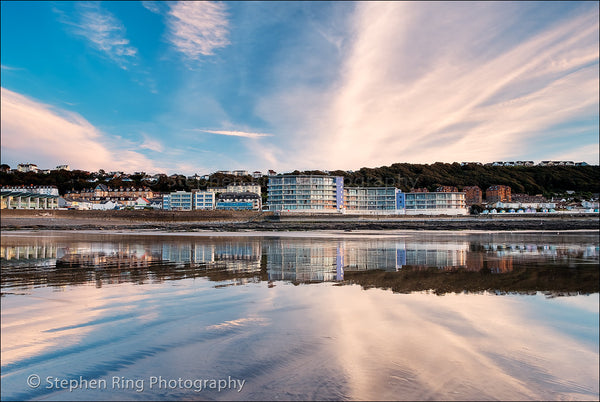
x,y
194,87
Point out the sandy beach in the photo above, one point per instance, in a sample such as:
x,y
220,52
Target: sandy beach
x,y
245,220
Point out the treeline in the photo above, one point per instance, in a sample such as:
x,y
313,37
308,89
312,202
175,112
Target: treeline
x,y
77,180
531,180
522,179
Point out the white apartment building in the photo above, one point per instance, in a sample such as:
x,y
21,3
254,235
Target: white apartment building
x,y
180,201
306,193
215,190
27,200
204,200
243,188
45,190
373,200
435,203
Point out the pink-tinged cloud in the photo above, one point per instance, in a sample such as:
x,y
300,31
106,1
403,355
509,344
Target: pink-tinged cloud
x,y
38,133
422,82
236,133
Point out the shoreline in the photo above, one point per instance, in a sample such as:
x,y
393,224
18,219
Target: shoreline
x,y
240,221
322,234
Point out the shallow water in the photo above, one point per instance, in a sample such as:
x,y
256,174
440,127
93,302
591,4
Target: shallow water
x,y
300,316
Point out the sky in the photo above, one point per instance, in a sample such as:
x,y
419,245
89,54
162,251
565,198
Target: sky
x,y
195,87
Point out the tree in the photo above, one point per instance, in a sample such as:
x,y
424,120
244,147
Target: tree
x,y
475,209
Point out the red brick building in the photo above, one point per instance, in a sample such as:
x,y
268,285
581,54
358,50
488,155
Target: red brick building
x,y
498,193
473,195
446,189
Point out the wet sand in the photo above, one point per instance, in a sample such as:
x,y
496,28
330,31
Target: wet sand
x,y
232,221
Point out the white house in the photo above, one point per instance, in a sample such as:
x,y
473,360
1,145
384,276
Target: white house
x,y
141,203
106,205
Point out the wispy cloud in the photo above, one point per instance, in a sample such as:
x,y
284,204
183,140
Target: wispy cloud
x,y
236,133
51,136
442,82
9,68
196,29
153,6
151,144
104,32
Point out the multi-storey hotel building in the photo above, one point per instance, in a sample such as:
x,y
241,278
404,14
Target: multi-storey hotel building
x,y
388,200
204,200
180,201
436,204
327,194
306,193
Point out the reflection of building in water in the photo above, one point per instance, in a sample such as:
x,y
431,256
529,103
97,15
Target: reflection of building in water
x,y
545,250
41,255
441,255
309,261
375,255
46,251
304,261
233,256
314,261
475,261
502,265
110,255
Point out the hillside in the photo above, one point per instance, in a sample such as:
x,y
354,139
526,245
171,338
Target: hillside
x,y
522,179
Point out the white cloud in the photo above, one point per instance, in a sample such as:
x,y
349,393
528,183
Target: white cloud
x,y
37,133
9,68
441,82
153,6
196,29
236,133
151,144
105,32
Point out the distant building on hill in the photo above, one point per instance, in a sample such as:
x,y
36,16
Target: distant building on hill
x,y
27,167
